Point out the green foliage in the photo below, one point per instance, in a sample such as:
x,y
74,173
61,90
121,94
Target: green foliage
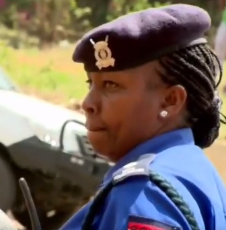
x,y
79,15
120,7
16,39
55,20
50,20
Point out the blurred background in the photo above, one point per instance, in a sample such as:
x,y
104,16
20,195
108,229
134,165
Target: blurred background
x,y
37,38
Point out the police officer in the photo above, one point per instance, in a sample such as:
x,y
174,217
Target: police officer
x,y
152,107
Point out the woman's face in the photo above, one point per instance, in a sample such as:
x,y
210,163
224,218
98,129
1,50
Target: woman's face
x,y
123,109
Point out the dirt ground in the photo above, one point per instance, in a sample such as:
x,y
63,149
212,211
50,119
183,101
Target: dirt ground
x,y
217,154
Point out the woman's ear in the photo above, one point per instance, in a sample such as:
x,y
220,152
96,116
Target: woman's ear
x,y
174,99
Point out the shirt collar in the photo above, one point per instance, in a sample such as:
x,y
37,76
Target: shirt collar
x,y
155,145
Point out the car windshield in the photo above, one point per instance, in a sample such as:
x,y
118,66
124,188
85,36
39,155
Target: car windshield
x,y
5,82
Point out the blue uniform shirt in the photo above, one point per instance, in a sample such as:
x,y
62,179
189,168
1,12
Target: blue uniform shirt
x,y
138,202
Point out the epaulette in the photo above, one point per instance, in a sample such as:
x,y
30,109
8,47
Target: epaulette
x,y
141,167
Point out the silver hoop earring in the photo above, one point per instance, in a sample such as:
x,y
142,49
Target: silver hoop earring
x,y
163,113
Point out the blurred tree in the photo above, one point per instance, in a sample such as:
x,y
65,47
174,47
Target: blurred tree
x,y
54,20
99,10
50,20
120,7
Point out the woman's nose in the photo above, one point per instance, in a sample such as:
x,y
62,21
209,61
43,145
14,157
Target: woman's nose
x,y
89,104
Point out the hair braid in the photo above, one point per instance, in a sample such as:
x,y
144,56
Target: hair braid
x,y
195,69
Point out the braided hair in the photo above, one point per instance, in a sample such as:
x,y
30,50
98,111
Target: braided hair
x,y
195,69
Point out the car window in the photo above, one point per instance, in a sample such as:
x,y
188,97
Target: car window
x,y
5,82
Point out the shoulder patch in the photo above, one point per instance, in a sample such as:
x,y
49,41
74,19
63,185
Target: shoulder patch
x,y
140,167
141,223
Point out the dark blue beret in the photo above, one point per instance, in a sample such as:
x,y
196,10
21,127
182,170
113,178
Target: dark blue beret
x,y
137,38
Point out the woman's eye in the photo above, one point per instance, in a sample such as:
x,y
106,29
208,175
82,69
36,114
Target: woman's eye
x,y
110,84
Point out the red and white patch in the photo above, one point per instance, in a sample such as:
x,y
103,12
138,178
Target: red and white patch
x,y
140,223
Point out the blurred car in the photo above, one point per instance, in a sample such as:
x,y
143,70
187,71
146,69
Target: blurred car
x,y
47,144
